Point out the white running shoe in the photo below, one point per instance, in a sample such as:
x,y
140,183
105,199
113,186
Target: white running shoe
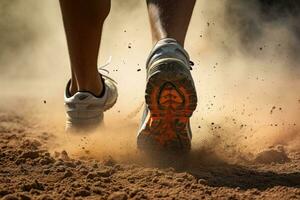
x,y
171,99
85,111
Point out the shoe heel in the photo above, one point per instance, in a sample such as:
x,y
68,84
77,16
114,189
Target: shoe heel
x,y
171,99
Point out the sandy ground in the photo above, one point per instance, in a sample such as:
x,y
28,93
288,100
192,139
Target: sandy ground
x,y
30,168
246,127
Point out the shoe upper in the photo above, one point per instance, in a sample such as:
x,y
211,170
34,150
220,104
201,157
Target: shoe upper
x,y
86,108
167,48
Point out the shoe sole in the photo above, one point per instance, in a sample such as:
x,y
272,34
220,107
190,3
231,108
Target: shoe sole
x,y
171,99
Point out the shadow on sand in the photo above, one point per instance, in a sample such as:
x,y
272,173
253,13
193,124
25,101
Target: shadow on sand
x,y
215,172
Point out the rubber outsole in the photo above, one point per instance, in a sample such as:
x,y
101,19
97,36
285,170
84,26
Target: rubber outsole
x,y
171,99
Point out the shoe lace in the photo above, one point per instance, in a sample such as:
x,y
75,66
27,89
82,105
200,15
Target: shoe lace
x,y
102,69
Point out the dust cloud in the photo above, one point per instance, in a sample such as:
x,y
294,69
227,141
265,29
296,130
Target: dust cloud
x,y
246,72
249,76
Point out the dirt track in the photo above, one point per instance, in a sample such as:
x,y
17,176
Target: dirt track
x,y
29,171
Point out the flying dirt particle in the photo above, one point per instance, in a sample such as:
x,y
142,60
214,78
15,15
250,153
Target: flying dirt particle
x,y
45,101
199,126
124,31
208,23
260,48
138,70
212,123
201,36
129,46
272,110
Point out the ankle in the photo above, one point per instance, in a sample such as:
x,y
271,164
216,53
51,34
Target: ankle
x,y
72,88
170,39
94,86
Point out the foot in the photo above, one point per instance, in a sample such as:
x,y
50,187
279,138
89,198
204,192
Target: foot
x,y
85,111
170,100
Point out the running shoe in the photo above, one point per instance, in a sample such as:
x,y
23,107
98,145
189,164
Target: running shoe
x,y
85,111
170,100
